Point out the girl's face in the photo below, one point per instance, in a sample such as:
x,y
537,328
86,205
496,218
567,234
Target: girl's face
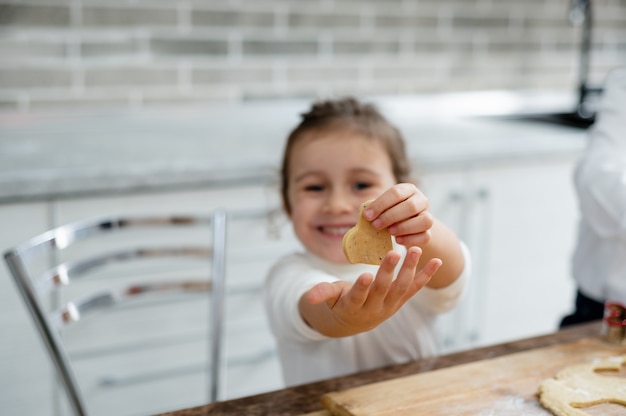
x,y
329,178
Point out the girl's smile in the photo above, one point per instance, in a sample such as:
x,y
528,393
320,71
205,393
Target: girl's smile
x,y
334,231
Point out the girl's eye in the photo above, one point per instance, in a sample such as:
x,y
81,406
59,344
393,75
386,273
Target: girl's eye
x,y
314,188
362,185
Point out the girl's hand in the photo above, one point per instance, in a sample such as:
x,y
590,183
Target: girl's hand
x,y
349,309
404,210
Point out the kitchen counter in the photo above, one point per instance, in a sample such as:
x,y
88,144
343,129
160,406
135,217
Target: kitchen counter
x,y
304,399
57,154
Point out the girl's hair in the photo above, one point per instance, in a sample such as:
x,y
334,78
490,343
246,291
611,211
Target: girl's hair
x,y
350,115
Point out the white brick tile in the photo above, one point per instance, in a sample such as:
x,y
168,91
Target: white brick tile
x,y
96,51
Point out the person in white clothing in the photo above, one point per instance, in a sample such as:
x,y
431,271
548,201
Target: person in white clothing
x,y
332,318
599,258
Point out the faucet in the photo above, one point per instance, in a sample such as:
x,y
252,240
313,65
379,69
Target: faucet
x,y
580,13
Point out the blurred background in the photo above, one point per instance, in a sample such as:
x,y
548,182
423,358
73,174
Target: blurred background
x,y
127,107
123,52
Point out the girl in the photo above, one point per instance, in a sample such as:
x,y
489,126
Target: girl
x,y
330,317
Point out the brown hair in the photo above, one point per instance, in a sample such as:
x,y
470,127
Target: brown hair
x,y
350,114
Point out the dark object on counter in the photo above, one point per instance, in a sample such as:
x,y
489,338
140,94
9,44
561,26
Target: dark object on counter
x,y
614,322
569,119
587,310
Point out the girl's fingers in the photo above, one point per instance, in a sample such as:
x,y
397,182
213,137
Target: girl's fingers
x,y
411,240
413,225
401,211
406,275
358,293
384,277
427,272
387,200
409,282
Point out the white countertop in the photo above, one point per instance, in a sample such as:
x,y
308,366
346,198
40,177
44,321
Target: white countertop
x,y
57,154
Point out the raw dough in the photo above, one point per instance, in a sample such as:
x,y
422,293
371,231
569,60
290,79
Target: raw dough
x,y
580,386
364,244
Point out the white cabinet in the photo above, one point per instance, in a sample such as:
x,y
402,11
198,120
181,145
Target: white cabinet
x,y
519,221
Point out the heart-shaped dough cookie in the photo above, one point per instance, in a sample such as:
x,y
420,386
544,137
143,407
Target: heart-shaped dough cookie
x,y
364,244
578,386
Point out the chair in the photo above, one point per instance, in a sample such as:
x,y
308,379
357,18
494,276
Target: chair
x,y
52,270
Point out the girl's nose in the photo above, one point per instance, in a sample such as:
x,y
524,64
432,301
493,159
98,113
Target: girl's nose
x,y
338,202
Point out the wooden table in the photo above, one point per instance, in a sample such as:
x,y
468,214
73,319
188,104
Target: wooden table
x,y
299,400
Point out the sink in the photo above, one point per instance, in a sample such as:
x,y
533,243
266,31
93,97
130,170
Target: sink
x,y
582,116
569,119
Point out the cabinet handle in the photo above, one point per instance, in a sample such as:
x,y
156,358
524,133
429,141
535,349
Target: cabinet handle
x,y
457,196
481,193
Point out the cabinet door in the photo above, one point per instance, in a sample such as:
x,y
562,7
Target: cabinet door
x,y
462,205
519,222
532,231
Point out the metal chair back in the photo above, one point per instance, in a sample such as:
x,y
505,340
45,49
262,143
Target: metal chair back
x,y
52,318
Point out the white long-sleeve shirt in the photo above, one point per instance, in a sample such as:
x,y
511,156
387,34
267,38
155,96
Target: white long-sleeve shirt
x,y
599,259
306,355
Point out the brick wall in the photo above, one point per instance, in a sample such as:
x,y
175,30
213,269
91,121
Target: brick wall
x,y
138,52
